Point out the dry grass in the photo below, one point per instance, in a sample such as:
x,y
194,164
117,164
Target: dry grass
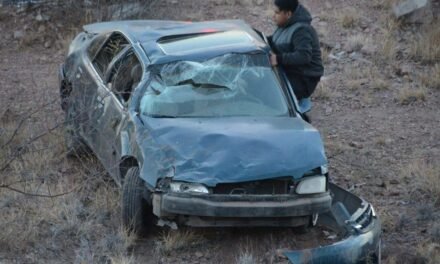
x,y
177,240
387,41
427,175
246,257
379,84
336,147
432,78
430,252
425,46
322,91
382,4
410,93
356,42
348,17
61,207
388,48
354,84
324,55
387,219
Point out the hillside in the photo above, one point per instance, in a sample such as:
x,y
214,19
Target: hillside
x,y
377,108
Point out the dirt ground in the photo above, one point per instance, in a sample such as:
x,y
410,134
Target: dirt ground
x,y
377,108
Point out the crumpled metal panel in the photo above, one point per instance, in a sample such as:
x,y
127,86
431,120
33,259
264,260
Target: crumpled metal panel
x,y
358,245
226,150
258,141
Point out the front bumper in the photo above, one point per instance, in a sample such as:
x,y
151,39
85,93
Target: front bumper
x,y
246,206
355,220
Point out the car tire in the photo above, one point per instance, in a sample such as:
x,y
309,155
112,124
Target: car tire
x,y
74,145
136,213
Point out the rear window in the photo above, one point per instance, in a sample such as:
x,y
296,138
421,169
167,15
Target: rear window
x,y
187,43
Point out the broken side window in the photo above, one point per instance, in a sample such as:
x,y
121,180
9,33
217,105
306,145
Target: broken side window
x,y
115,44
125,76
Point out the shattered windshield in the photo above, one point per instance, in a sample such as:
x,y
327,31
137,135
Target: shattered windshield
x,y
228,85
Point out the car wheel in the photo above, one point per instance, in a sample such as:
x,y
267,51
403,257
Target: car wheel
x,y
136,213
74,145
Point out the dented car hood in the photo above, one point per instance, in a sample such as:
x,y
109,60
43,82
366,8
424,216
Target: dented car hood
x,y
227,150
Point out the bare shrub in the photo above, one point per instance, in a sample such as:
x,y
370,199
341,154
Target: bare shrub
x,y
425,46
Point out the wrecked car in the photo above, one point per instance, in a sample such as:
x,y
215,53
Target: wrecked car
x,y
195,125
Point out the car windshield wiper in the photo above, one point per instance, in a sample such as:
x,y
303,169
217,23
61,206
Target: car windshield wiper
x,y
202,85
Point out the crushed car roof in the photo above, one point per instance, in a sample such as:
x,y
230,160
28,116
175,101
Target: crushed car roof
x,y
165,41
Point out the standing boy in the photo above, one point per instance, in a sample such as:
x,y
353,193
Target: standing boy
x,y
296,48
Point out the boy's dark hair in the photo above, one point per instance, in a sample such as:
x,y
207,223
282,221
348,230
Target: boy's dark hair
x,y
287,5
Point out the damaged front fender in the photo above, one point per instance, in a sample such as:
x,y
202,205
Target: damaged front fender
x,y
356,221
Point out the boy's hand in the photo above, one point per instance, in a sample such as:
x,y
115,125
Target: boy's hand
x,y
273,59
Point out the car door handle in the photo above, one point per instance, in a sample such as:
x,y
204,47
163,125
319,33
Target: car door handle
x,y
115,122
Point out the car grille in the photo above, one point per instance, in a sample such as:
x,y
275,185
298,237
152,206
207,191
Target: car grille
x,y
274,186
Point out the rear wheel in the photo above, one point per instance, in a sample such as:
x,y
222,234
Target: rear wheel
x,y
136,213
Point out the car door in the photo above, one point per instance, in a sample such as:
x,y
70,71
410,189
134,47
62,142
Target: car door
x,y
123,75
97,100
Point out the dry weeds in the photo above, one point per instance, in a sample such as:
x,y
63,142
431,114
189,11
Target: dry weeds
x,y
430,252
411,93
379,84
324,55
432,78
427,175
425,46
322,91
246,257
177,240
356,42
348,17
388,41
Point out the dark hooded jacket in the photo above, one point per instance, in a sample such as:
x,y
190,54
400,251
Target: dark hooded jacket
x,y
297,47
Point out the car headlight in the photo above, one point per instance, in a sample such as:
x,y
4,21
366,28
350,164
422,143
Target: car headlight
x,y
324,169
312,184
186,187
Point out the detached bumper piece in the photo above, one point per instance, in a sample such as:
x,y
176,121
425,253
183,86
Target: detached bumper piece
x,y
220,208
355,220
